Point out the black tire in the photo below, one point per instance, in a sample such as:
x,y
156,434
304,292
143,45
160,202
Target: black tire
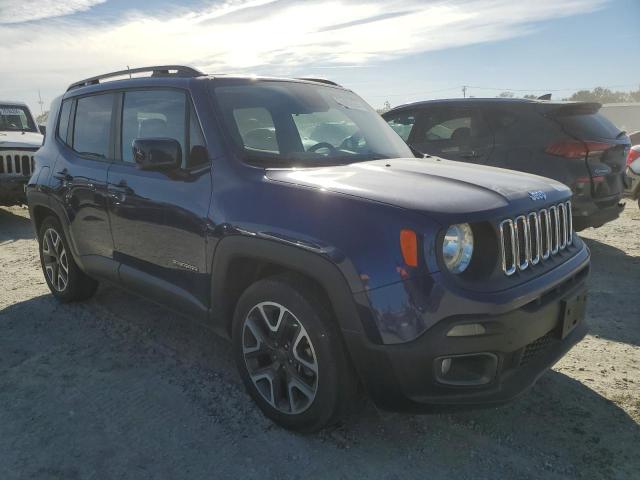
x,y
78,285
336,385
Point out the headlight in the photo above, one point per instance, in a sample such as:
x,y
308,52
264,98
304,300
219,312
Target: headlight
x,y
457,247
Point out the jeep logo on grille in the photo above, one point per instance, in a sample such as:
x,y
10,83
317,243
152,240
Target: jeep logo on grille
x,y
537,195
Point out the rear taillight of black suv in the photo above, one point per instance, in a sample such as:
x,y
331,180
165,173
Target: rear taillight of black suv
x,y
577,150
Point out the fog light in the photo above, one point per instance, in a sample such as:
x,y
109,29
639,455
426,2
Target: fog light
x,y
467,330
472,369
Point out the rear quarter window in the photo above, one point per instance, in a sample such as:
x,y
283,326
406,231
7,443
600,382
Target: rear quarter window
x,y
402,124
63,122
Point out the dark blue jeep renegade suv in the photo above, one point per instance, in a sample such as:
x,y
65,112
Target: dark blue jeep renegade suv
x,y
291,218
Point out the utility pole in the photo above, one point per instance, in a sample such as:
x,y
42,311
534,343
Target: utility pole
x,y
464,91
40,102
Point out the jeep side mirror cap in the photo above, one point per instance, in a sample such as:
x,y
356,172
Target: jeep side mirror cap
x,y
157,153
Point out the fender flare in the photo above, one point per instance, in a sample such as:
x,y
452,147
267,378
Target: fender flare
x,y
351,316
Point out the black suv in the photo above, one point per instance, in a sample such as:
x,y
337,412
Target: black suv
x,y
568,141
291,218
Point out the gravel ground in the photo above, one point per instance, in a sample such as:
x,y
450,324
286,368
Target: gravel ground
x,y
119,388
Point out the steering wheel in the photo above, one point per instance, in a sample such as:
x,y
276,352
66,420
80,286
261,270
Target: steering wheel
x,y
320,145
351,143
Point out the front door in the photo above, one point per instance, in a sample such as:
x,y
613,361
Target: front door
x,y
158,218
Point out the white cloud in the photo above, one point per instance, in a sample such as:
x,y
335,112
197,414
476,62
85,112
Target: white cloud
x,y
279,34
18,11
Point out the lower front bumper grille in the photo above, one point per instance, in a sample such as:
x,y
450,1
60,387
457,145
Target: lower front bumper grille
x,y
538,347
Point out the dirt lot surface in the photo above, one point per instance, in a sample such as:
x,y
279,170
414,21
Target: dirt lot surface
x,y
119,388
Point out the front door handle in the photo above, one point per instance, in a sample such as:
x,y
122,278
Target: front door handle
x,y
119,191
63,176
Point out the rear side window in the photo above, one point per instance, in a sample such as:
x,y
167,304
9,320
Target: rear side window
x,y
92,131
153,114
590,126
402,124
63,123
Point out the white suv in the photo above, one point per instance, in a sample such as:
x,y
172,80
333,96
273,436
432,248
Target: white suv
x,y
20,137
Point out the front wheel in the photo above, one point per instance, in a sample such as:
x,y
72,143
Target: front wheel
x,y
290,355
65,279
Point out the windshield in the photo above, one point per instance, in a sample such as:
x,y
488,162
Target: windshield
x,y
16,119
287,124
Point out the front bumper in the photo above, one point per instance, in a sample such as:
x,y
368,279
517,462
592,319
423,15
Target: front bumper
x,y
526,341
12,189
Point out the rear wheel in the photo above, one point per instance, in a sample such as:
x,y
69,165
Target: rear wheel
x,y
65,279
290,355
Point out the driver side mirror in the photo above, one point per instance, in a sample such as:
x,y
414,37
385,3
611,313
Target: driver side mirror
x,y
157,153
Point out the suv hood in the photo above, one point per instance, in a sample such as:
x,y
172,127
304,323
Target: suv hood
x,y
20,140
431,185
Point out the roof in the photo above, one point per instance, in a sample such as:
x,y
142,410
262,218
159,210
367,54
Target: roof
x,y
13,103
477,101
175,72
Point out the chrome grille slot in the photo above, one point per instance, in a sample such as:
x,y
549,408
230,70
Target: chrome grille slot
x,y
508,247
569,224
535,238
562,221
530,239
555,229
545,231
523,242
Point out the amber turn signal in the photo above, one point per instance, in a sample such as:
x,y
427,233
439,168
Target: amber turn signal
x,y
409,247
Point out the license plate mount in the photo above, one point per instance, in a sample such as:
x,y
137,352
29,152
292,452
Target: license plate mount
x,y
573,312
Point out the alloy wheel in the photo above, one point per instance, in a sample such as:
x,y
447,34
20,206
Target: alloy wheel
x,y
280,358
56,264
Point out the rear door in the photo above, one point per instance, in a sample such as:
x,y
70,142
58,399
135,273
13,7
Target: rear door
x,y
603,146
455,133
80,177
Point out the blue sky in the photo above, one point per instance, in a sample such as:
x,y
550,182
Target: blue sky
x,y
395,50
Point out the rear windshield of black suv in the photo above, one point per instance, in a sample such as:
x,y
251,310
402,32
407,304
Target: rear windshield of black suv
x,y
290,124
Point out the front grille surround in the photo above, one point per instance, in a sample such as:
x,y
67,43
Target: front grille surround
x,y
17,162
530,239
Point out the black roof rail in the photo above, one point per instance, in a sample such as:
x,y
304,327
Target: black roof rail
x,y
320,80
156,71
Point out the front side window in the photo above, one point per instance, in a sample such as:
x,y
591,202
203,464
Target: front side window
x,y
296,124
92,130
153,114
16,119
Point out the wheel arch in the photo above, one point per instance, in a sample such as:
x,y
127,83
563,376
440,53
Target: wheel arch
x,y
240,261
